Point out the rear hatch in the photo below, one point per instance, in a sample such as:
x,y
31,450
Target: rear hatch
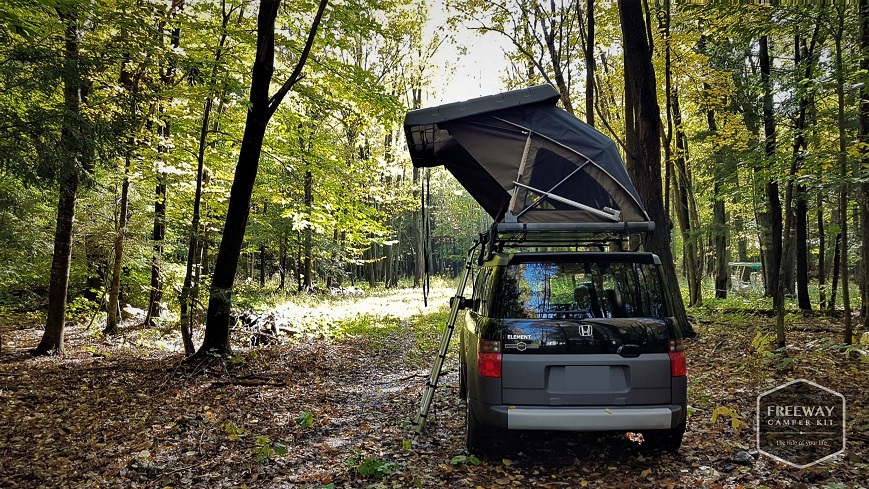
x,y
583,329
617,362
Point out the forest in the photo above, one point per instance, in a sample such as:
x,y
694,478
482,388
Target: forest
x,y
206,200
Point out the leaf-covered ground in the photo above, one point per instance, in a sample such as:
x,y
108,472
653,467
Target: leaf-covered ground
x,y
330,407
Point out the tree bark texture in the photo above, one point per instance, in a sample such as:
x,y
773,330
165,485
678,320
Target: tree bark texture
x,y
74,156
805,55
771,229
863,138
847,336
112,317
158,235
684,193
643,140
719,230
262,107
309,232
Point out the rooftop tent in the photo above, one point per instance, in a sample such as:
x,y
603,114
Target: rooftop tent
x,y
525,160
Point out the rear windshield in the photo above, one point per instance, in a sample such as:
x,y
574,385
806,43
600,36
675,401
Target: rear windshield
x,y
578,291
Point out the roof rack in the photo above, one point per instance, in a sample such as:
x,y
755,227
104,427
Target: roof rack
x,y
573,235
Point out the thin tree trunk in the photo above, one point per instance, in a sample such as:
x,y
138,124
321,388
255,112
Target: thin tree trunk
x,y
309,251
773,214
549,32
719,219
160,192
800,146
74,159
158,235
834,285
262,266
684,194
822,259
863,137
112,318
847,337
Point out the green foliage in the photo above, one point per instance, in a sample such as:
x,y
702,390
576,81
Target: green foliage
x,y
465,460
305,419
370,326
372,467
266,449
234,432
762,343
81,305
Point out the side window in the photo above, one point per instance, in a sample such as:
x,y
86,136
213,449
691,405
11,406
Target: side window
x,y
481,289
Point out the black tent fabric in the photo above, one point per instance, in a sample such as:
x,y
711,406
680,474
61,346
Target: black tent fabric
x,y
526,160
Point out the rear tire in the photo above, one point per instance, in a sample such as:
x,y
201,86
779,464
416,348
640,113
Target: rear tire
x,y
463,370
463,380
664,440
478,437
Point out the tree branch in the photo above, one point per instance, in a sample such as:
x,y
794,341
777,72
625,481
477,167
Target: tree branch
x,y
276,99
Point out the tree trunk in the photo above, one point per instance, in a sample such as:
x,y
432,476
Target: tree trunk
x,y
773,213
190,288
643,140
113,307
262,266
719,219
259,113
188,296
834,284
684,194
863,137
555,56
75,159
159,231
802,244
822,259
158,235
847,336
309,250
800,146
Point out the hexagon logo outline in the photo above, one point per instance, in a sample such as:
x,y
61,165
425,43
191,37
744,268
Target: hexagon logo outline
x,y
795,411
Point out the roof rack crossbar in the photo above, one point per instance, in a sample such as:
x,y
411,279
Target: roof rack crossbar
x,y
633,227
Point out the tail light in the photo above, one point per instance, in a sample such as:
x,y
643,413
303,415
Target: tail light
x,y
678,363
489,358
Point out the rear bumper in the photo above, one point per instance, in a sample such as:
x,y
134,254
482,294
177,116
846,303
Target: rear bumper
x,y
618,418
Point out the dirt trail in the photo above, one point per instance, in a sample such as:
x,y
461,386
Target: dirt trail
x,y
122,413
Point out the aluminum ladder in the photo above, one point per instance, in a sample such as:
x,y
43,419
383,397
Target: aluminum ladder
x,y
457,303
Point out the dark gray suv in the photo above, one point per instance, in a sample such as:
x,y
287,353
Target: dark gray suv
x,y
576,341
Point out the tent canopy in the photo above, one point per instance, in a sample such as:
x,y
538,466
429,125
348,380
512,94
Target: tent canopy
x,y
525,160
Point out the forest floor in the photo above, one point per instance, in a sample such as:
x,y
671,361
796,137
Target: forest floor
x,y
330,407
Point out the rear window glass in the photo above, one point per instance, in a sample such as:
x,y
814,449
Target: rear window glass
x,y
578,291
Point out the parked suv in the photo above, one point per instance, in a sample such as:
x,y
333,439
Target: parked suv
x,y
576,341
